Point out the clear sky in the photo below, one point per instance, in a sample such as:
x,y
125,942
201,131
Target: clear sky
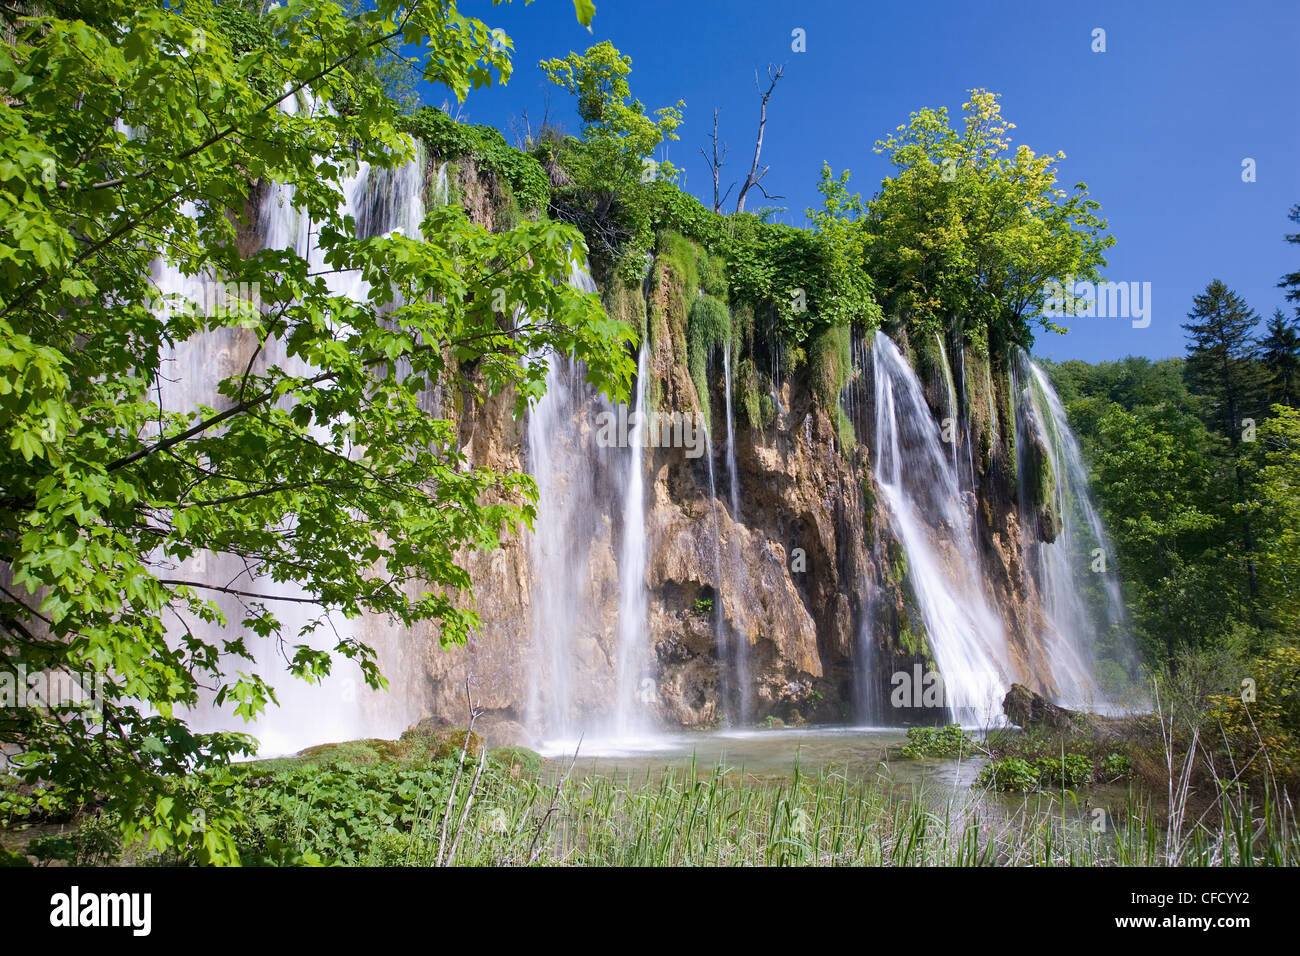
x,y
1157,126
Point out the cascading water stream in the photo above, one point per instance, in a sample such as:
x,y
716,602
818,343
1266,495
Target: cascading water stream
x,y
441,192
340,706
918,479
633,639
720,637
580,682
555,602
953,435
738,657
731,435
565,500
1082,604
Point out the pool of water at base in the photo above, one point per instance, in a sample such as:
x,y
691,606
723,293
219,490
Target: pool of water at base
x,y
860,754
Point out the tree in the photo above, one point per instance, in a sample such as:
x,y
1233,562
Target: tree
x,y
138,131
1291,281
1279,351
618,138
755,174
615,154
716,162
1221,354
1276,490
1154,478
967,234
840,227
1221,364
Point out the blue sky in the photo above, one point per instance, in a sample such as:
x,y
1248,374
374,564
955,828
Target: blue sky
x,y
1157,126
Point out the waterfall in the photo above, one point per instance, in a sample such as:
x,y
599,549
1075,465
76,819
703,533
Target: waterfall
x,y
918,479
339,707
1081,601
633,639
958,432
732,649
583,680
556,599
566,502
441,193
731,435
391,200
723,645
740,650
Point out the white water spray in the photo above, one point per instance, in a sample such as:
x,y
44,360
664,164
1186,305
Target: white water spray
x,y
918,479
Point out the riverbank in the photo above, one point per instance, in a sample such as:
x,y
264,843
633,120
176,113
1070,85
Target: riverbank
x,y
807,796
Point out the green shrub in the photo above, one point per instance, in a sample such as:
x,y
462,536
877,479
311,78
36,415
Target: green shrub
x,y
1115,767
523,175
516,761
95,841
1009,774
1071,770
950,741
11,858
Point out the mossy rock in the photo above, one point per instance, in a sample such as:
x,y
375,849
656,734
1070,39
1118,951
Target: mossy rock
x,y
10,858
427,742
357,751
1041,487
516,761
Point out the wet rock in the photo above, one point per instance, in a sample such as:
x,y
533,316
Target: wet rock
x,y
1028,709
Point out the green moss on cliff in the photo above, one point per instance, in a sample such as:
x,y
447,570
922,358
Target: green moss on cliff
x,y
1007,422
679,254
444,137
830,363
751,397
1039,482
623,301
709,328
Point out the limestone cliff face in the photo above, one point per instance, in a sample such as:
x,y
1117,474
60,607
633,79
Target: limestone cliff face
x,y
806,573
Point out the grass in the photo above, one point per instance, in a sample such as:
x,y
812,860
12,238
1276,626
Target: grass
x,y
722,817
718,818
416,802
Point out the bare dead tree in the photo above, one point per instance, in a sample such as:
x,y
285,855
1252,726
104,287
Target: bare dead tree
x,y
752,180
474,714
715,165
464,813
522,128
534,850
455,110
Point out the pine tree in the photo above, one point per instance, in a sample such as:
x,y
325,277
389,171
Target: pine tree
x,y
1221,356
1222,364
1291,281
1279,351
